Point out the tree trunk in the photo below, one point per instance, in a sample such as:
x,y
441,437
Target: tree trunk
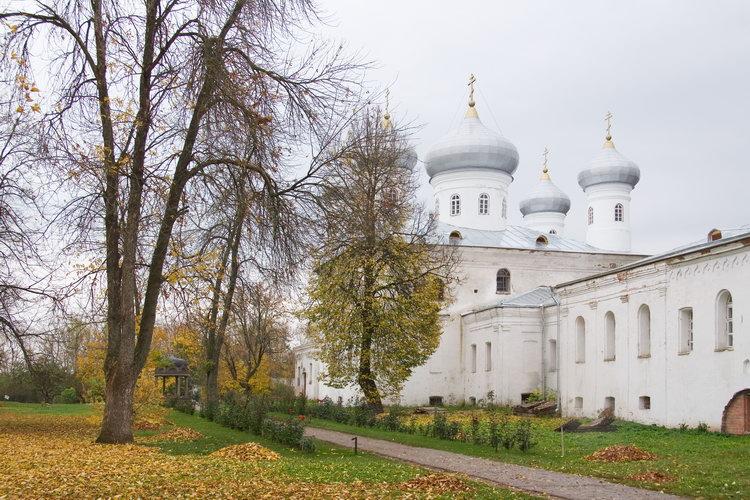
x,y
117,425
212,379
364,377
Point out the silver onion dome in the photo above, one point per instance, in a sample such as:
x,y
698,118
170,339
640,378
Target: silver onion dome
x,y
545,197
472,146
609,166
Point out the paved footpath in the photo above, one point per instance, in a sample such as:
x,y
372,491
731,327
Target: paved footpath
x,y
532,480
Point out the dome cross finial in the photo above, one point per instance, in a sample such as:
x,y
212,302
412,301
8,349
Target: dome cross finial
x,y
608,119
387,124
545,170
472,80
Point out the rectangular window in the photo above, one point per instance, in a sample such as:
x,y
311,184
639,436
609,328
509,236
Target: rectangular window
x,y
552,361
473,358
686,330
488,356
311,377
644,402
579,403
730,326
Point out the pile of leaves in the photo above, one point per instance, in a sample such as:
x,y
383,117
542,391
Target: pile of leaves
x,y
437,484
150,418
248,452
621,453
652,476
178,435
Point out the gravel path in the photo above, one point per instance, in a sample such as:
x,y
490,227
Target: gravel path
x,y
538,481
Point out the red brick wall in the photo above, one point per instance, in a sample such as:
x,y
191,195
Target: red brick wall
x,y
734,420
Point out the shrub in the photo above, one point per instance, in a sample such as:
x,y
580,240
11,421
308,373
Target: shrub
x,y
494,434
476,437
506,434
524,435
702,427
307,444
443,429
300,404
208,411
288,432
256,410
67,396
392,420
362,415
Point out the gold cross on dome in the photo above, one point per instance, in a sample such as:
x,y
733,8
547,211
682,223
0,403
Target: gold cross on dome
x,y
472,79
545,155
608,119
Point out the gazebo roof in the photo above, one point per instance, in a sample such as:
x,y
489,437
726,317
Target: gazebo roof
x,y
175,367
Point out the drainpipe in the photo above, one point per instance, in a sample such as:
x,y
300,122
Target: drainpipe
x,y
544,356
558,343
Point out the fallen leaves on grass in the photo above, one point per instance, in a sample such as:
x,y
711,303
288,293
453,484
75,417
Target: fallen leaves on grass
x,y
652,476
53,456
249,452
437,484
177,435
621,453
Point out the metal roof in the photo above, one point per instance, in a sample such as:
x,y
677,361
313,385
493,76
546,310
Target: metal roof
x,y
515,237
542,296
472,146
728,236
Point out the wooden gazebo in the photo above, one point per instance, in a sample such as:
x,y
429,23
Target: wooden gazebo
x,y
177,368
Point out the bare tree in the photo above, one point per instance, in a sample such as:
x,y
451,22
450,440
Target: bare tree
x,y
136,89
258,331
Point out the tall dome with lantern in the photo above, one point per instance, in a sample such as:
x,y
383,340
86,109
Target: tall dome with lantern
x,y
607,181
470,170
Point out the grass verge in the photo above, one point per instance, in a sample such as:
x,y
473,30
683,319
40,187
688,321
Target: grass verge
x,y
700,463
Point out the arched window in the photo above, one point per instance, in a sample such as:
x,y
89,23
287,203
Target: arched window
x,y
609,331
552,231
580,340
484,204
591,215
618,212
505,209
455,204
503,281
644,331
440,289
454,237
541,240
724,320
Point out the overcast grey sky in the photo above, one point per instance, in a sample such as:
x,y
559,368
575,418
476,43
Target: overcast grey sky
x,y
676,75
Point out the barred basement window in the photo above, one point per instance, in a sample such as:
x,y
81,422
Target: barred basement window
x,y
644,402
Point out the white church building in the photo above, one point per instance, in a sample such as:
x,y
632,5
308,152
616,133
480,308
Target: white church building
x,y
659,339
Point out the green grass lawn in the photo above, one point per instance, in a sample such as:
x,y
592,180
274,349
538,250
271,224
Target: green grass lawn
x,y
329,464
703,464
45,409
